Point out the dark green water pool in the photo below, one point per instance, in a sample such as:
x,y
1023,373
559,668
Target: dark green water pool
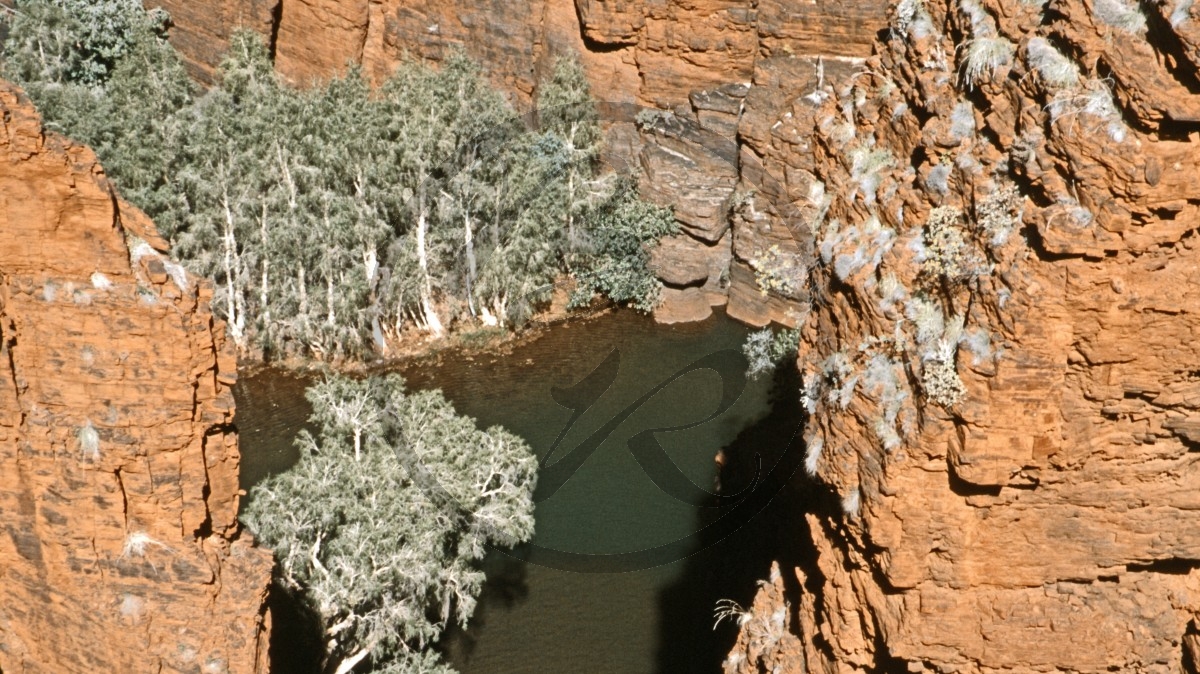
x,y
621,575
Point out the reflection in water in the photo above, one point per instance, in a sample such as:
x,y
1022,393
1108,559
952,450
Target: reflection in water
x,y
533,618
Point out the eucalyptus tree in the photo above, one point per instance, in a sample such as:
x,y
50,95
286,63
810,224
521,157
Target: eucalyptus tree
x,y
365,176
527,242
140,128
418,127
286,234
567,111
484,125
349,227
381,525
225,171
622,230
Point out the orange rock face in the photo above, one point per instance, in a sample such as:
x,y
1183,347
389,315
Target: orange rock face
x,y
118,459
1013,492
1046,520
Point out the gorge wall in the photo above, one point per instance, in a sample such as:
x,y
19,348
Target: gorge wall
x,y
1001,358
118,459
983,216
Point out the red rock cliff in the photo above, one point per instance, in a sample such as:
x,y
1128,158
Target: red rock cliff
x,y
1001,357
118,461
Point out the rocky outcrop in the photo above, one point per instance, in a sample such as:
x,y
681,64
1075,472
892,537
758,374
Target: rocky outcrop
x,y
1000,361
118,459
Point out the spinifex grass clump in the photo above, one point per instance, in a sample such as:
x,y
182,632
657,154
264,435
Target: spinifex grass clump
x,y
1055,69
1118,14
984,56
89,441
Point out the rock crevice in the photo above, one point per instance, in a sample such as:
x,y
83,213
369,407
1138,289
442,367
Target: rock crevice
x,y
118,458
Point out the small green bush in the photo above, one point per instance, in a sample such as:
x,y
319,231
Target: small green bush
x,y
778,272
949,253
998,214
766,348
618,239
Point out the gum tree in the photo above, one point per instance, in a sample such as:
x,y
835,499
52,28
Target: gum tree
x,y
332,219
622,229
567,112
381,525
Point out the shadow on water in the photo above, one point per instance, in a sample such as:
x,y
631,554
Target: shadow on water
x,y
271,410
295,646
531,618
505,587
729,566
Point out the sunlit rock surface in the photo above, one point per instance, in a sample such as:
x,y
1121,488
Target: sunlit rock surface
x,y
120,548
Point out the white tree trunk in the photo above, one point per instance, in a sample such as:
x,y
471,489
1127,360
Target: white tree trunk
x,y
500,306
303,299
570,212
432,323
329,300
571,195
470,249
371,265
264,295
348,665
330,318
237,321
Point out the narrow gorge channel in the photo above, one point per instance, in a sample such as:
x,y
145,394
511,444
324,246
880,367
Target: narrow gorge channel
x,y
628,612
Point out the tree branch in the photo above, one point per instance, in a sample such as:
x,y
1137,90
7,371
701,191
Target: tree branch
x,y
349,663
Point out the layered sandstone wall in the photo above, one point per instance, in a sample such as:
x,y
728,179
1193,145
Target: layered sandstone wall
x,y
1048,518
118,458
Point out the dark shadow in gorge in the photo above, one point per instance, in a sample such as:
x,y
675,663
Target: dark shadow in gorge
x,y
505,586
295,642
729,568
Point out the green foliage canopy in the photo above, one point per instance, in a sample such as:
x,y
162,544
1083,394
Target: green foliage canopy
x,y
382,523
334,218
766,348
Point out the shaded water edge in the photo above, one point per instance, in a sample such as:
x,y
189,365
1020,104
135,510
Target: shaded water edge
x,y
532,618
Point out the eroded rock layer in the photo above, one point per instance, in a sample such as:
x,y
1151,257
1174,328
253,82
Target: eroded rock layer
x,y
1001,360
119,548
